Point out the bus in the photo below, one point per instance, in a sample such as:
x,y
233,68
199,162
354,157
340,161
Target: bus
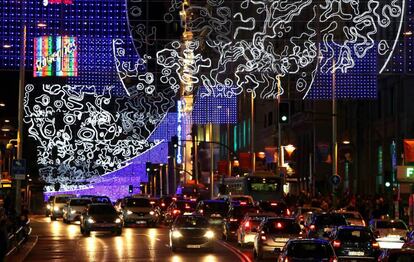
x,y
259,185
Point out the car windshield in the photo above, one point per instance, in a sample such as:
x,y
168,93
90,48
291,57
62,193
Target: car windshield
x,y
61,200
331,220
185,205
138,202
220,207
241,199
351,215
282,227
401,258
240,211
309,250
101,209
191,221
80,202
391,224
355,235
103,199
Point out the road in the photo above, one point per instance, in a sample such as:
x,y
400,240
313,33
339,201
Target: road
x,y
60,242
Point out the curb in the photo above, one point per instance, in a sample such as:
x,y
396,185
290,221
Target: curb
x,y
23,251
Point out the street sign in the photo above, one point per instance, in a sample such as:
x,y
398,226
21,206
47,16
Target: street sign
x,y
335,180
405,174
19,169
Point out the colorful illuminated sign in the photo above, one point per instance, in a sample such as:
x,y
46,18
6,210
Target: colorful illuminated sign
x,y
55,56
180,109
405,174
66,2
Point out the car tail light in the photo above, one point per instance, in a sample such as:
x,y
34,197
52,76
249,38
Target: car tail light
x,y
286,259
288,212
279,225
163,204
176,211
174,199
243,203
336,244
312,227
375,244
333,259
273,204
363,223
247,224
233,220
263,237
301,217
201,211
152,202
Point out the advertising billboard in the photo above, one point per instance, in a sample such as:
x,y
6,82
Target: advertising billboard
x,y
55,56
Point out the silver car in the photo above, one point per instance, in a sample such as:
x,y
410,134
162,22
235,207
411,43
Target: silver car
x,y
74,208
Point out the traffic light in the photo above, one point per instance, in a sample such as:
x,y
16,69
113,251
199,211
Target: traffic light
x,y
148,167
174,141
131,189
284,113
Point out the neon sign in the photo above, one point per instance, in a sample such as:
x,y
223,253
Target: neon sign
x,y
180,106
66,2
55,56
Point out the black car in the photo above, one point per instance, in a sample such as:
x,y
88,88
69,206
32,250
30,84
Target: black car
x,y
215,211
322,224
312,250
277,207
355,242
233,219
191,232
100,217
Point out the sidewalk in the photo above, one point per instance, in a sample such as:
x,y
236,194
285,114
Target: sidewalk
x,y
21,253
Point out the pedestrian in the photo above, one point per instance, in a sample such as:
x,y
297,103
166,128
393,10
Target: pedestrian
x,y
3,234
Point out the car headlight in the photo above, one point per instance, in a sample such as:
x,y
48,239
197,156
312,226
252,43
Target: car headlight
x,y
209,234
176,234
118,221
129,212
91,221
56,209
152,213
48,206
73,212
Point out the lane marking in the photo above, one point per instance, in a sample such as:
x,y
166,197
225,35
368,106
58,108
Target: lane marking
x,y
243,257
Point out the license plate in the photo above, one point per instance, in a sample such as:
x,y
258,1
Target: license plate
x,y
215,221
141,222
356,253
193,246
281,239
104,225
327,230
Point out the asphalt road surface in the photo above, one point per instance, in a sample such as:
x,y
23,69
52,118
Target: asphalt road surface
x,y
60,242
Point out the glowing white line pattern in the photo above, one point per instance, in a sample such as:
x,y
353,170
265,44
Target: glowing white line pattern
x,y
248,45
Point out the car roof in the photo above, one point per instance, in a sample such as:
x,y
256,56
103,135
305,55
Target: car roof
x,y
309,240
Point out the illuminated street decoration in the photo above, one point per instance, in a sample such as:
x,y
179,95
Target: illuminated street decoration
x,y
66,2
253,46
55,56
180,131
83,133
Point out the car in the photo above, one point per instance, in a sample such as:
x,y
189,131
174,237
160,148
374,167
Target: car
x,y
238,199
320,225
74,208
100,217
97,199
302,213
215,211
49,204
354,218
179,207
272,235
307,250
233,219
58,204
277,207
191,232
397,255
248,227
139,211
389,233
355,243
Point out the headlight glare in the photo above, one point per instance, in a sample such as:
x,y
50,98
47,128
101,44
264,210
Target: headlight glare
x,y
176,234
209,234
129,212
73,212
152,213
56,209
91,221
48,206
118,220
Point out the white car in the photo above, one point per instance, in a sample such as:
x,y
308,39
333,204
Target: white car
x,y
354,218
74,208
390,234
248,227
59,202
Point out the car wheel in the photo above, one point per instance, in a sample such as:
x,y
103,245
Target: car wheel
x,y
173,249
118,232
86,232
81,230
52,218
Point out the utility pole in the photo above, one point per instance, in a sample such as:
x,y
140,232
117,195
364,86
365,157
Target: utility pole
x,y
22,72
334,134
252,134
211,162
279,127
